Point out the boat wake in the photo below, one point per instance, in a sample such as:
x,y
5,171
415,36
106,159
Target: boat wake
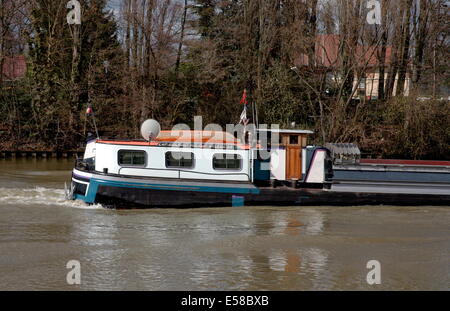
x,y
41,196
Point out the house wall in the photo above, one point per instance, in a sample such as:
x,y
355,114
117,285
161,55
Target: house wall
x,y
372,84
13,68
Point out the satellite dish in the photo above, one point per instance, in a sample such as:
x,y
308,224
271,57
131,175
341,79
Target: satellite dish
x,y
150,129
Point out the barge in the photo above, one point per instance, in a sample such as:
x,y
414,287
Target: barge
x,y
184,169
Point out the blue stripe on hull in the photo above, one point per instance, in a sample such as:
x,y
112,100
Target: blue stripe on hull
x,y
95,183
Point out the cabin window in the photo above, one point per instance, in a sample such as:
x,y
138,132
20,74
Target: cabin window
x,y
227,162
131,158
180,159
80,188
293,140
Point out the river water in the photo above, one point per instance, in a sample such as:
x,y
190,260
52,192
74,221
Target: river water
x,y
264,248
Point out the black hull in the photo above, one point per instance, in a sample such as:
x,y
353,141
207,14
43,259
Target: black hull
x,y
127,198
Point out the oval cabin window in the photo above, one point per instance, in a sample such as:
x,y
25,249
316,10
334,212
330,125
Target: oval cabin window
x,y
179,159
227,162
131,158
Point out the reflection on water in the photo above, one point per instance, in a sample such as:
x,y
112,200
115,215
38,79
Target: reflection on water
x,y
296,248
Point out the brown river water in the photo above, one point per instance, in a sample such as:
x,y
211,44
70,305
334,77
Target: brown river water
x,y
264,248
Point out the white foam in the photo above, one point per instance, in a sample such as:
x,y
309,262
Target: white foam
x,y
40,196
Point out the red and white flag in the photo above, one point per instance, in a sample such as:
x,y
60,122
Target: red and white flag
x,y
244,98
244,120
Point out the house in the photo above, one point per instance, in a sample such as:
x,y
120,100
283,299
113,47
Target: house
x,y
13,68
327,59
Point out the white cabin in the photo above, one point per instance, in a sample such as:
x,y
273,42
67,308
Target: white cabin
x,y
224,160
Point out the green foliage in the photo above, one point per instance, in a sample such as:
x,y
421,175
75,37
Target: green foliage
x,y
280,97
205,10
15,109
419,130
62,82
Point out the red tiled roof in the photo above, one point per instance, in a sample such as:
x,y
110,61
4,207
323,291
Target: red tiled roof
x,y
14,67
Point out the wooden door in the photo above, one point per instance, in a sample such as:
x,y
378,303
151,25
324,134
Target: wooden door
x,y
294,162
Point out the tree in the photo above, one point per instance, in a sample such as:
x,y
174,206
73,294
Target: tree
x,y
67,67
